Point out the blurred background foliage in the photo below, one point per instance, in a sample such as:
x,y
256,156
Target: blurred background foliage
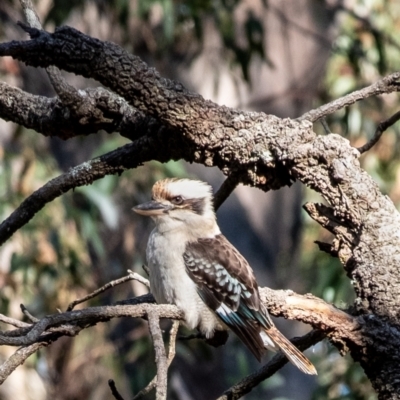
x,y
244,54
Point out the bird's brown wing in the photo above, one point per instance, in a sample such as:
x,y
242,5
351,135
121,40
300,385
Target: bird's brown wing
x,y
226,283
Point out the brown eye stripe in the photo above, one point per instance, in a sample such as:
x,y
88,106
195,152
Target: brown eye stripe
x,y
196,205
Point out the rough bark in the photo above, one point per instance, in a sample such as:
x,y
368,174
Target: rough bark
x,y
263,151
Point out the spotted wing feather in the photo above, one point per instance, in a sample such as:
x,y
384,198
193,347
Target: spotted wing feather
x,y
226,283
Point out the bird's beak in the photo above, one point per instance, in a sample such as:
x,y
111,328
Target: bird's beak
x,y
152,208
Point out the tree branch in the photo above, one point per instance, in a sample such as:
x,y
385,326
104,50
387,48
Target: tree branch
x,y
115,162
331,321
114,390
109,285
112,66
226,189
13,322
383,125
386,85
18,358
102,110
81,106
171,354
247,384
161,357
338,325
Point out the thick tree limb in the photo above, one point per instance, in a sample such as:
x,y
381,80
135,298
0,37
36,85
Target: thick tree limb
x,y
338,325
124,73
91,108
186,114
102,110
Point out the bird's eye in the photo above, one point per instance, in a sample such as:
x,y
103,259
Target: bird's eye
x,y
177,200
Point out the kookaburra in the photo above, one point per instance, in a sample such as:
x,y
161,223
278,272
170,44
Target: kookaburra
x,y
193,266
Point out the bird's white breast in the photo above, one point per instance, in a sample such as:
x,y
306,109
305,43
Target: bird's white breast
x,y
170,283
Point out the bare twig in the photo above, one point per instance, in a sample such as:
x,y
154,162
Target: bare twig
x,y
146,269
13,322
131,276
172,341
326,126
247,384
31,16
88,317
46,115
28,314
383,125
227,187
135,276
114,390
193,336
171,354
161,358
115,162
386,85
18,358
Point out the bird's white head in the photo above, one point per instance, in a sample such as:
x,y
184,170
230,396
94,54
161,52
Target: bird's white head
x,y
182,204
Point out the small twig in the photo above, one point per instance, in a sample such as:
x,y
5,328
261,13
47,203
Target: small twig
x,y
161,358
192,336
28,314
139,278
146,269
130,277
13,322
227,187
383,125
325,125
18,358
115,162
172,341
247,384
171,354
31,16
386,85
114,390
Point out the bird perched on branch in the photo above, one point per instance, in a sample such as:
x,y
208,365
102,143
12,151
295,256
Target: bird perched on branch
x,y
193,266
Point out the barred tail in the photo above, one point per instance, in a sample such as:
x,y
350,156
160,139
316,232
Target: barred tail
x,y
295,356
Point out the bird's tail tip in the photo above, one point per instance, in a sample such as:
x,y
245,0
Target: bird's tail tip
x,y
295,356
